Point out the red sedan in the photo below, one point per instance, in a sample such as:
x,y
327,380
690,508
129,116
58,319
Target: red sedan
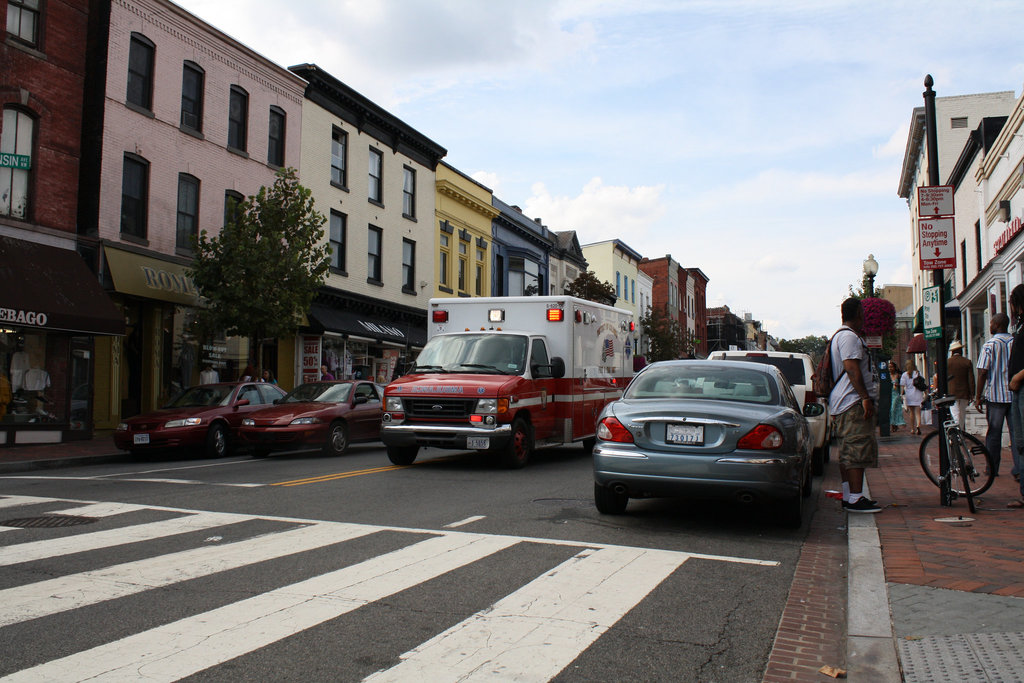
x,y
205,416
318,415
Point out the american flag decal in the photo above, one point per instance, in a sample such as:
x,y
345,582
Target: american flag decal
x,y
608,350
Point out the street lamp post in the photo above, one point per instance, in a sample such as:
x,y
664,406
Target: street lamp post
x,y
871,270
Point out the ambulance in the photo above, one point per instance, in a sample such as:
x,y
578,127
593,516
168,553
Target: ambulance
x,y
507,375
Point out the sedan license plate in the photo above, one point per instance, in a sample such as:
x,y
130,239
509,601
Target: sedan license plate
x,y
478,442
141,439
689,435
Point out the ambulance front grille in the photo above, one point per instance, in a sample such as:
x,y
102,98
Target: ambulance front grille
x,y
438,408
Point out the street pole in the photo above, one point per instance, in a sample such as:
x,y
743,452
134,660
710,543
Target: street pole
x,y
938,280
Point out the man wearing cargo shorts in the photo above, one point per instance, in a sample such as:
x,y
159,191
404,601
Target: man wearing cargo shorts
x,y
852,406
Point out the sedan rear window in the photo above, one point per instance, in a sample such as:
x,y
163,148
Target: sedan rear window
x,y
686,381
792,368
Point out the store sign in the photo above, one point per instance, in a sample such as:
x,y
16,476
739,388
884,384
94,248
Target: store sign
x,y
167,281
310,359
1012,228
932,312
873,341
19,317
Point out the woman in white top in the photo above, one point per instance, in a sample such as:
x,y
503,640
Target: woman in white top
x,y
912,397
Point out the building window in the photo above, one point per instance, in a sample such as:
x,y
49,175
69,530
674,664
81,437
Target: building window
x,y
963,263
523,277
192,97
442,262
338,231
958,122
232,206
409,193
462,274
23,20
16,138
376,190
188,210
339,154
977,244
409,266
374,239
140,71
238,118
275,137
480,256
618,285
134,196
632,291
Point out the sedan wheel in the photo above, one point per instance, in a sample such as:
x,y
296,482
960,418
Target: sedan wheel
x,y
608,502
217,441
337,440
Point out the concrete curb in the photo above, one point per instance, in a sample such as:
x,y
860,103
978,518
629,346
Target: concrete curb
x,y
870,647
57,463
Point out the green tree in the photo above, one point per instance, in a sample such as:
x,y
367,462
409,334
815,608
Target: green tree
x,y
587,286
813,346
259,275
665,336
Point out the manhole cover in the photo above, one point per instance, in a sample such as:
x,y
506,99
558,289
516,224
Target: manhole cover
x,y
564,502
48,521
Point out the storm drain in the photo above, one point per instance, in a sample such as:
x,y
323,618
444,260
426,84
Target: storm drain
x,y
48,521
967,657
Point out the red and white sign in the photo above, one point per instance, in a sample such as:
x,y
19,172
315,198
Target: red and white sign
x,y
937,243
1012,228
935,200
310,359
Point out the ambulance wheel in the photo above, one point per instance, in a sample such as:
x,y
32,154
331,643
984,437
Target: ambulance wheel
x,y
402,455
517,452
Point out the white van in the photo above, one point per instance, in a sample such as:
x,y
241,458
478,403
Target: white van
x,y
798,370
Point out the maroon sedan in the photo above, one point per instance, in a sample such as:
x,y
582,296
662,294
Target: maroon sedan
x,y
318,415
205,416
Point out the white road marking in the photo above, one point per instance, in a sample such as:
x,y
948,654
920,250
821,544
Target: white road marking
x,y
185,647
535,632
38,550
176,469
17,501
100,510
190,482
88,588
467,520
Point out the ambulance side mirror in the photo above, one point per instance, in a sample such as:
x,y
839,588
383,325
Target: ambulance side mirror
x,y
557,367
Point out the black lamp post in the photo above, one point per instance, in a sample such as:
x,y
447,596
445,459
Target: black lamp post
x,y
871,270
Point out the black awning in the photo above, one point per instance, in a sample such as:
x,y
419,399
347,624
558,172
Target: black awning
x,y
367,326
51,288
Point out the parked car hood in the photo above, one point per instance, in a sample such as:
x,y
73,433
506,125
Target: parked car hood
x,y
162,415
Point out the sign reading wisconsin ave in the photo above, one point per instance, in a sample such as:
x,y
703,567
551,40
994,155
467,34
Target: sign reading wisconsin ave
x,y
936,243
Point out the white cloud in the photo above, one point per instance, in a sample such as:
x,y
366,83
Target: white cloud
x,y
599,212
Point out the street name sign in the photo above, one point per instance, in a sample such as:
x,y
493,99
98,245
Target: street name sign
x,y
935,200
20,161
932,313
936,243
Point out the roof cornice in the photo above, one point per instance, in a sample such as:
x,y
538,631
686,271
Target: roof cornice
x,y
452,190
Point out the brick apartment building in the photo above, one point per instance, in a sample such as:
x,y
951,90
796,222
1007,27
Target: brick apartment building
x,y
51,306
682,293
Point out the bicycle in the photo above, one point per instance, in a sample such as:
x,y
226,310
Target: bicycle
x,y
965,453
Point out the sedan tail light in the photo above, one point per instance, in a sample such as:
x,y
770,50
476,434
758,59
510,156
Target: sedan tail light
x,y
761,438
611,429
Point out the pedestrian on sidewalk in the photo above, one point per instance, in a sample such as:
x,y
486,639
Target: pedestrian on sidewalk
x,y
959,381
993,378
896,406
852,406
1016,372
913,396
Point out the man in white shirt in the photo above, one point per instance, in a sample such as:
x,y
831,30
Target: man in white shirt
x,y
852,405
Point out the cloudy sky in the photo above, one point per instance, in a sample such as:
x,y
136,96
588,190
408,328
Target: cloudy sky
x,y
758,141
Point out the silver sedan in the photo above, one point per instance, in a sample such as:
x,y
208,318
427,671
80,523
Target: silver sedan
x,y
725,430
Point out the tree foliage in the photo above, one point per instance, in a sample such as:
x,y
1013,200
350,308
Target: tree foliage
x,y
260,273
813,346
664,335
587,286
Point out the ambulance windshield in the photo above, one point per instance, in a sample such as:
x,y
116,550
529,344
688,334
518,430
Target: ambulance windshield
x,y
489,354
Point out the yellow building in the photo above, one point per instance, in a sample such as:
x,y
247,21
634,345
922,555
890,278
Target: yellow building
x,y
463,234
615,262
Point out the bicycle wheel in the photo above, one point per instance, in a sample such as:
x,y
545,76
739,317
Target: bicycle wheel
x,y
975,456
960,475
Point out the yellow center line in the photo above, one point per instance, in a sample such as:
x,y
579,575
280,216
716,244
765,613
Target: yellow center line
x,y
355,473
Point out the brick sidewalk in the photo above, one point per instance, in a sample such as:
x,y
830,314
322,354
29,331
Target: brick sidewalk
x,y
982,556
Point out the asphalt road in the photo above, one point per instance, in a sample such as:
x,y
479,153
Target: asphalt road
x,y
309,568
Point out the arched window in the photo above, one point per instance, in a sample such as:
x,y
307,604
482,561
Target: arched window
x,y
16,139
141,57
192,78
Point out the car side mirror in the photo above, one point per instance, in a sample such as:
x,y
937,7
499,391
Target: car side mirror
x,y
242,402
813,409
361,398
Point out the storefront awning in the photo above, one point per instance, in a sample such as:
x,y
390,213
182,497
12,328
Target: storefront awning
x,y
51,288
150,278
917,344
366,326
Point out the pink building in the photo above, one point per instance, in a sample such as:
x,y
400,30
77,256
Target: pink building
x,y
181,122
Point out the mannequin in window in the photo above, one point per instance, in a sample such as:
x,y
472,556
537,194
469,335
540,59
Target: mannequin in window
x,y
5,394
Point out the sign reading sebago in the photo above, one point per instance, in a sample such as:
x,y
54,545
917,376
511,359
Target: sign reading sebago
x,y
22,162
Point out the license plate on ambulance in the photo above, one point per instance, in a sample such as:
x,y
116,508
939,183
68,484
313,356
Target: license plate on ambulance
x,y
478,442
688,435
141,439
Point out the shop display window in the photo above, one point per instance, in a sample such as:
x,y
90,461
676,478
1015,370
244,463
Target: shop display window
x,y
33,377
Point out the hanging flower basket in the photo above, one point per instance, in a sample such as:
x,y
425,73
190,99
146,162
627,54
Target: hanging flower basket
x,y
879,317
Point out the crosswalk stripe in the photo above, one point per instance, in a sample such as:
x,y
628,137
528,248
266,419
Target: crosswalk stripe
x,y
87,588
100,510
187,646
535,632
16,501
38,550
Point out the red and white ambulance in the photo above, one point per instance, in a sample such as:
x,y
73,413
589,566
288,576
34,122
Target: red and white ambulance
x,y
508,375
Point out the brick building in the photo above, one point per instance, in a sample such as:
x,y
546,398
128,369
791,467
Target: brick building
x,y
51,307
682,294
